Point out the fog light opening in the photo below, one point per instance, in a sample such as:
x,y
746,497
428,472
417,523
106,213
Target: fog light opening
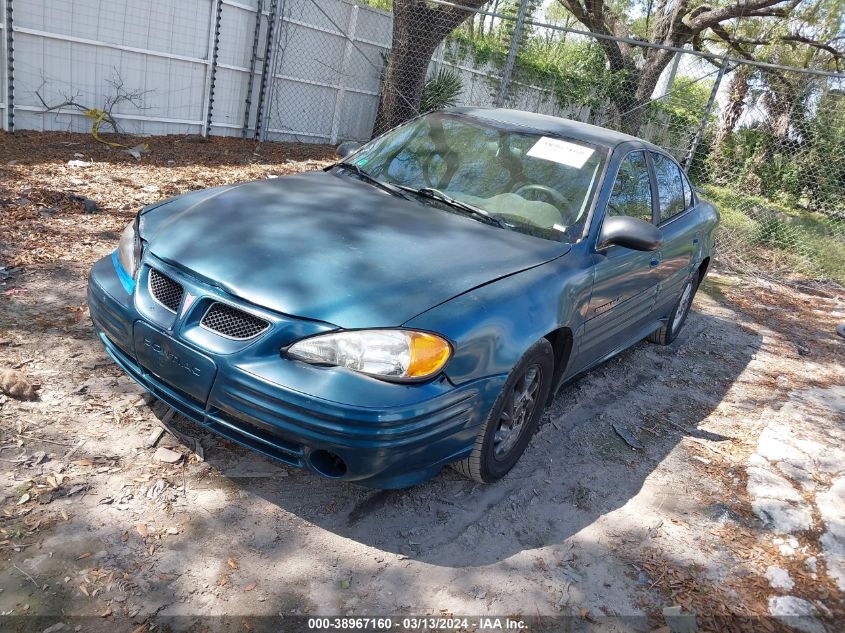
x,y
327,463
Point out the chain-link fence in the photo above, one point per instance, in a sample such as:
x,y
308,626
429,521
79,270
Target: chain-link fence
x,y
766,143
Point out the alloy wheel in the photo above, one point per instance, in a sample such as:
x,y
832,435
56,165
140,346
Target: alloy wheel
x,y
516,414
683,306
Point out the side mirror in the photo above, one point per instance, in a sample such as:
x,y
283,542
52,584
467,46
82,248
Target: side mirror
x,y
349,147
629,232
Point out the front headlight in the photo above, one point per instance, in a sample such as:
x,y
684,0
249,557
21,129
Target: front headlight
x,y
129,249
400,355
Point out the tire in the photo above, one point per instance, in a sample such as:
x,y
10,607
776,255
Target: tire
x,y
494,453
669,332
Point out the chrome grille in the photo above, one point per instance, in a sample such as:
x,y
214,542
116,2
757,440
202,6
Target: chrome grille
x,y
165,291
232,323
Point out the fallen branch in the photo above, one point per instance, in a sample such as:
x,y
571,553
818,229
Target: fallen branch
x,y
120,95
32,580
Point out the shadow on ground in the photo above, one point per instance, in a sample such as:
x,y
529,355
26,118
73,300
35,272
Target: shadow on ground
x,y
576,469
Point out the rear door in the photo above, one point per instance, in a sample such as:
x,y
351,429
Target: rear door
x,y
624,283
680,240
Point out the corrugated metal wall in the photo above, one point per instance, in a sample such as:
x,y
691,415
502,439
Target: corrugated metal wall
x,y
324,85
73,49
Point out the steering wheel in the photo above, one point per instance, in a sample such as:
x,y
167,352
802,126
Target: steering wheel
x,y
561,200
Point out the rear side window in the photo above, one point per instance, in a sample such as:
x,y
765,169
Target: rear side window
x,y
631,194
670,186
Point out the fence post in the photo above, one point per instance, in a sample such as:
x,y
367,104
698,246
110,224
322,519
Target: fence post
x,y
702,128
211,69
259,11
673,71
341,89
508,71
268,67
8,41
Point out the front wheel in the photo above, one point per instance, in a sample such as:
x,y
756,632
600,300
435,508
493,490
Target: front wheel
x,y
669,332
514,417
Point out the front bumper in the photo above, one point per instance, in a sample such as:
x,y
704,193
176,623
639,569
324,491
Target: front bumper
x,y
387,435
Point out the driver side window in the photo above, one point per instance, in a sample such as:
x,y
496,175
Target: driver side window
x,y
631,194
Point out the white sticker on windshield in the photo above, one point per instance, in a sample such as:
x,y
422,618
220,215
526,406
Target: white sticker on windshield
x,y
562,152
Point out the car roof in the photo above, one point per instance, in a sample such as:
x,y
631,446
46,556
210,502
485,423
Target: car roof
x,y
553,125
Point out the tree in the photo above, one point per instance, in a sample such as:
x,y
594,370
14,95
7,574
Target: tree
x,y
676,24
418,29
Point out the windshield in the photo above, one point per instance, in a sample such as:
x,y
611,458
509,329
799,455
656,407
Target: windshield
x,y
531,183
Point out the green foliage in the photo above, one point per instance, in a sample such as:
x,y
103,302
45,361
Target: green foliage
x,y
574,71
822,165
773,231
757,228
441,91
805,168
683,106
384,5
673,120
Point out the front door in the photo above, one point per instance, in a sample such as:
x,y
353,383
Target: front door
x,y
625,281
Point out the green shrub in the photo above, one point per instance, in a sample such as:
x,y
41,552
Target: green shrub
x,y
441,91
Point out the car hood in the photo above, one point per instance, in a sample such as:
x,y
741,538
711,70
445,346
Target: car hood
x,y
332,248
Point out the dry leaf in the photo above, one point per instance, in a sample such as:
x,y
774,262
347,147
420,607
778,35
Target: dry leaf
x,y
141,629
106,613
84,590
232,562
221,582
65,516
24,499
83,555
152,549
251,586
124,537
142,530
85,461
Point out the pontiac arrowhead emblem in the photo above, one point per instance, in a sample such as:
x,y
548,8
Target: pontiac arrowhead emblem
x,y
187,302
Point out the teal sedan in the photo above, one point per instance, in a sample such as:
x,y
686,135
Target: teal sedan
x,y
415,305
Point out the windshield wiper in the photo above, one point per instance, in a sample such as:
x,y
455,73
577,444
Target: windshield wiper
x,y
436,194
386,186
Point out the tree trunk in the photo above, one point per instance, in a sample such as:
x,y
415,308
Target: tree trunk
x,y
406,70
417,31
735,106
631,99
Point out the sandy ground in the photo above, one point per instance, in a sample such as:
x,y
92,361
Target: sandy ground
x,y
735,505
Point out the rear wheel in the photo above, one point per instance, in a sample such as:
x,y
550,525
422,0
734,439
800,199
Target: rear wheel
x,y
514,417
669,332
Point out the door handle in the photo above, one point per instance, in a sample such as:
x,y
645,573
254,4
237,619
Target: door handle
x,y
654,263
